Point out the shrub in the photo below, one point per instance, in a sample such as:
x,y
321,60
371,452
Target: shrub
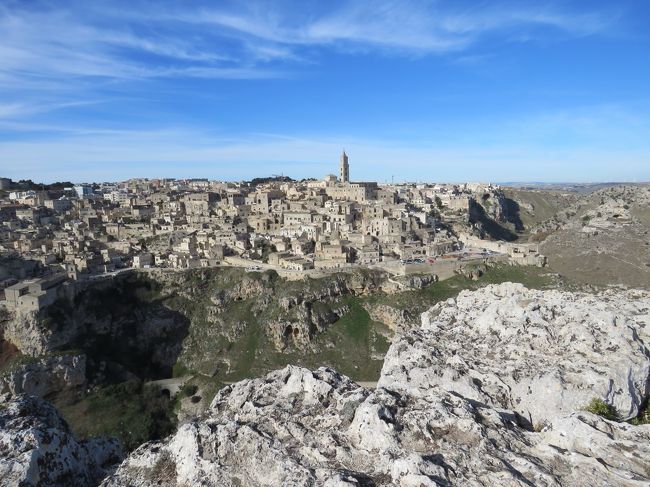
x,y
644,415
601,408
189,389
130,411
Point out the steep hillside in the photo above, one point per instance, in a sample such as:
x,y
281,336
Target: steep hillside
x,y
462,399
603,239
530,208
513,214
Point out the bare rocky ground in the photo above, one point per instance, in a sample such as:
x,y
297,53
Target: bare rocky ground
x,y
539,353
603,239
491,389
37,447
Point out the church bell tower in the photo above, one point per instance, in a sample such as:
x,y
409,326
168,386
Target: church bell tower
x,y
345,168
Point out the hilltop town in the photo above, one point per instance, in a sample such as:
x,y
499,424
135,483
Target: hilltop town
x,y
66,233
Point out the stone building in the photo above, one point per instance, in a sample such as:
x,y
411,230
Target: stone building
x,y
345,168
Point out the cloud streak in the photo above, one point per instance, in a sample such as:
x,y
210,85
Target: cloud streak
x,y
156,39
70,49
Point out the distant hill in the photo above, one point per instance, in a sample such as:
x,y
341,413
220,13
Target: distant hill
x,y
574,187
29,185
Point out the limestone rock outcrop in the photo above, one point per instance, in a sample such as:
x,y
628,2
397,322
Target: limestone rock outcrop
x,y
37,447
396,319
46,375
301,428
540,353
489,391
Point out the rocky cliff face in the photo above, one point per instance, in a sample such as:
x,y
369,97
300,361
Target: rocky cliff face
x,y
398,320
306,312
44,376
490,217
118,323
438,415
38,449
143,323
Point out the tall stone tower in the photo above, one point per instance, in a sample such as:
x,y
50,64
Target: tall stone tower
x,y
345,168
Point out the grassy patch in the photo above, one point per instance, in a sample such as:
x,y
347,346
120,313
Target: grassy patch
x,y
418,301
244,352
354,345
356,323
529,276
17,361
236,345
130,411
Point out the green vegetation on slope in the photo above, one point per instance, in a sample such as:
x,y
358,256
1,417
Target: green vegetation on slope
x,y
129,411
231,312
418,301
354,345
644,415
601,408
607,411
235,344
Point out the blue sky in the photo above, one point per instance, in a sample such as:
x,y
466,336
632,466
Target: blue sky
x,y
509,90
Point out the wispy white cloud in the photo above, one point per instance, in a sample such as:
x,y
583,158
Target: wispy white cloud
x,y
418,26
158,39
20,110
56,45
11,109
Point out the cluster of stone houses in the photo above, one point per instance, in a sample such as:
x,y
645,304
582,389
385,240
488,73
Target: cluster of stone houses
x,y
295,225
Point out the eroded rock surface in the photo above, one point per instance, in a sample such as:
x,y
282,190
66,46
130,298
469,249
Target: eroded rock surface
x,y
540,353
396,319
38,449
46,375
301,428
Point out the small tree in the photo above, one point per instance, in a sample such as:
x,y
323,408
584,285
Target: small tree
x,y
601,408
